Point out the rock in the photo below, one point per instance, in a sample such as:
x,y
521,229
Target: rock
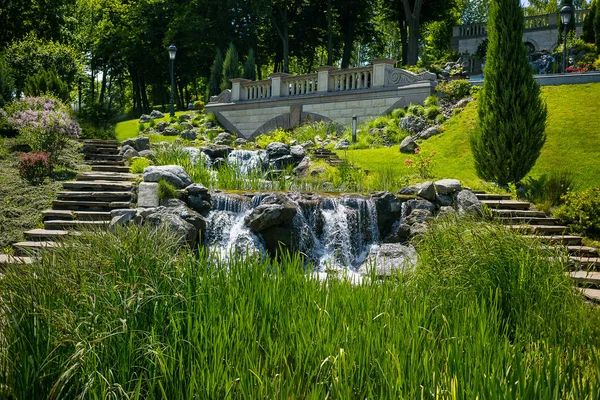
x,y
375,131
297,152
468,203
277,149
148,195
130,153
218,162
417,229
418,216
463,103
188,135
170,132
426,190
161,126
156,114
389,210
183,231
408,145
217,151
127,142
223,138
400,233
443,200
145,118
445,210
198,198
184,117
327,186
122,217
282,162
415,204
413,124
186,125
342,144
309,144
197,189
388,259
275,210
240,141
447,186
302,167
429,132
318,139
149,154
408,190
174,174
318,171
126,148
142,143
179,208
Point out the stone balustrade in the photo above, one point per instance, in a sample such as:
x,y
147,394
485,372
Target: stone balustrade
x,y
379,74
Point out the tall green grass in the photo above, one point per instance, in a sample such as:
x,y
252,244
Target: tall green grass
x,y
108,318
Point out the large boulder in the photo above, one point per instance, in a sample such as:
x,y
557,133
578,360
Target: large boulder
x,y
447,186
416,204
276,149
224,138
389,210
189,134
418,217
170,132
343,144
468,203
179,208
183,232
142,143
125,148
274,210
302,167
145,118
156,114
426,190
388,259
413,124
174,174
282,162
185,117
217,151
408,145
297,152
161,126
429,132
130,153
198,198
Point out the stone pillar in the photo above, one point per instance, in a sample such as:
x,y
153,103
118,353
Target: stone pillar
x,y
324,79
276,89
381,66
237,94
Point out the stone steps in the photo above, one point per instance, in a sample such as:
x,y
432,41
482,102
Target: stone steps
x,y
586,262
81,205
591,294
6,260
106,176
492,196
72,215
517,213
103,157
61,225
507,204
29,248
99,149
95,196
110,168
541,229
98,185
108,163
586,277
566,240
40,234
528,221
583,251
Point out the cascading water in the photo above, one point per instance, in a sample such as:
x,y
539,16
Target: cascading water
x,y
196,156
246,161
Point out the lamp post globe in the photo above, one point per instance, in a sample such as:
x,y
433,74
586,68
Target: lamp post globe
x,y
172,52
565,17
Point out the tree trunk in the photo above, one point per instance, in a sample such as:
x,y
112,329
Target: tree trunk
x,y
348,42
413,18
329,35
404,42
137,104
103,86
283,33
145,104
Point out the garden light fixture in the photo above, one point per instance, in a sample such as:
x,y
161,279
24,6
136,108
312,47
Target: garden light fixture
x,y
172,52
565,16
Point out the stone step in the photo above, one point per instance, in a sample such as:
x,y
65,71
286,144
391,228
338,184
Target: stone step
x,y
61,225
100,142
36,235
584,251
567,240
518,213
492,196
90,205
529,221
110,168
591,294
100,150
586,277
541,229
507,204
586,262
27,248
106,176
6,259
72,215
98,185
95,196
111,163
103,157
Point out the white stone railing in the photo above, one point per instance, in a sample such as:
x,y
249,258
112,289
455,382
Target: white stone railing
x,y
580,15
540,21
379,74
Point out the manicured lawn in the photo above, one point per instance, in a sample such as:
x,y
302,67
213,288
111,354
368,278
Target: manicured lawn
x,y
130,129
573,142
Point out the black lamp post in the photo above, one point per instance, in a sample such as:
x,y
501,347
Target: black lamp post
x,y
565,16
172,52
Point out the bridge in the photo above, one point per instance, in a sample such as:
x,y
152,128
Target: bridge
x,y
332,95
541,33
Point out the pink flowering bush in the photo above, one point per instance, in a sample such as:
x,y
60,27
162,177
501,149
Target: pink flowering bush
x,y
422,163
43,123
35,167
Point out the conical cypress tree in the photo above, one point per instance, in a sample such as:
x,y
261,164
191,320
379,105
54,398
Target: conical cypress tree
x,y
216,73
597,25
512,116
588,24
231,67
250,66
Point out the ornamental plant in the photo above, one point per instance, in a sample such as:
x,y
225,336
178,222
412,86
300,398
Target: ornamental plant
x,y
35,167
422,163
581,210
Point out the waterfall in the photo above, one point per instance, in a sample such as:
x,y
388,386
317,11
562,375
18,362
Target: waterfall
x,y
247,161
196,155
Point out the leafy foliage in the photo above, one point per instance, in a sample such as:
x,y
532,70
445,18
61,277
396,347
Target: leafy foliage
x,y
35,167
581,210
512,116
47,82
166,190
231,67
138,165
216,75
7,83
250,66
455,89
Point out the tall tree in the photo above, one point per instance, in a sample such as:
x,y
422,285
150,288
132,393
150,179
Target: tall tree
x,y
588,34
597,26
231,67
250,66
216,75
512,116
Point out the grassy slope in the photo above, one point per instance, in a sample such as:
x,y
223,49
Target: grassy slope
x,y
573,141
130,129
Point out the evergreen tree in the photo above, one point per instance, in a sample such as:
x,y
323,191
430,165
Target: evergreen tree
x,y
588,25
7,83
47,82
250,66
231,67
597,26
216,72
512,117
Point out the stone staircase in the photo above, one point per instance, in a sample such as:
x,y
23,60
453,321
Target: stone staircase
x,y
84,203
518,215
329,156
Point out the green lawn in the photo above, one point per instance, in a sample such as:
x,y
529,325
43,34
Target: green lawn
x,y
573,142
130,129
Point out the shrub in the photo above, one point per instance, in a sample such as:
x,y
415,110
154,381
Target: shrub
x,y
138,165
581,211
431,112
454,90
47,82
7,83
141,127
416,109
278,135
440,119
512,116
431,101
152,123
89,131
166,190
398,113
212,118
35,167
199,106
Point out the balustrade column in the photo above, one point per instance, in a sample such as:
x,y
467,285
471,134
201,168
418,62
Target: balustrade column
x,y
381,66
237,93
